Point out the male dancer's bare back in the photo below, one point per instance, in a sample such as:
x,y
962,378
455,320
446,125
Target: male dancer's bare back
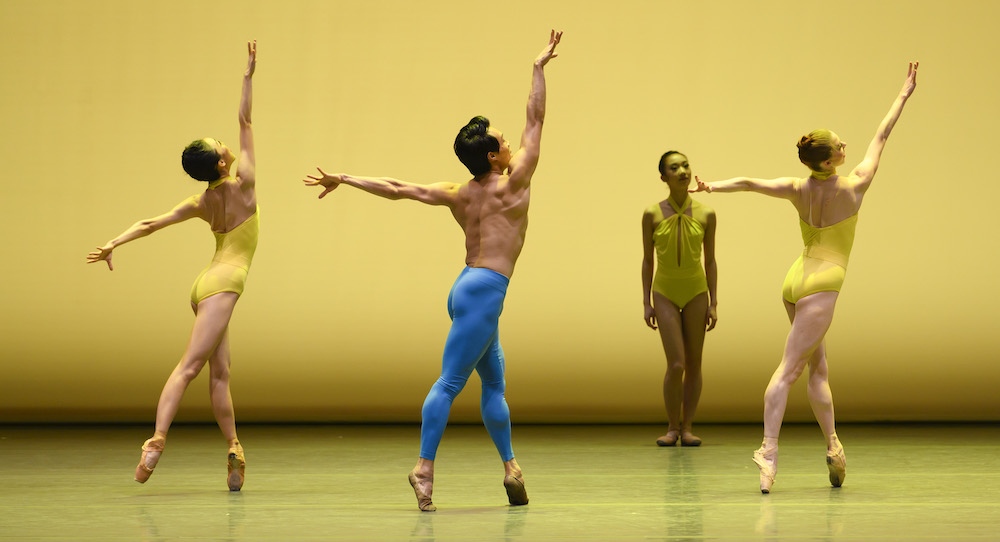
x,y
492,209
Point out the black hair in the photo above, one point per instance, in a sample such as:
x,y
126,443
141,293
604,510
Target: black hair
x,y
473,143
815,148
663,161
200,161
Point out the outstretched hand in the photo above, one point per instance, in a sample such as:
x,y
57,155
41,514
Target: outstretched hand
x,y
549,52
327,181
911,80
102,253
252,60
700,186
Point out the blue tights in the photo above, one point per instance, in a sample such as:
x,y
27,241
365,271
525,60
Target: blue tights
x,y
474,305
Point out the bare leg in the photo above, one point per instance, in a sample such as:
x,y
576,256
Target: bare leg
x,y
218,389
693,320
210,322
669,323
422,480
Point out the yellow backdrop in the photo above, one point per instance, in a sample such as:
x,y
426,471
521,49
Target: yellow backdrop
x,y
344,313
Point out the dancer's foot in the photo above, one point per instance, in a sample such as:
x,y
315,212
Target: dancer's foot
x,y
836,461
151,450
423,488
669,439
516,494
767,461
689,439
237,465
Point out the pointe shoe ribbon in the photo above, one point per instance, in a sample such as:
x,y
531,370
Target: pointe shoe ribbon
x,y
142,472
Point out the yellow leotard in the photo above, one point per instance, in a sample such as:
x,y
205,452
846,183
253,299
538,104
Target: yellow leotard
x,y
677,240
233,253
823,263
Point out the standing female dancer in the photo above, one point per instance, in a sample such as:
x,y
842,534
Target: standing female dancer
x,y
683,294
230,208
828,207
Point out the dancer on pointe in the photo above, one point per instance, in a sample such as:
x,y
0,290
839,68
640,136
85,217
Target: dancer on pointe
x,y
828,206
492,209
683,293
229,205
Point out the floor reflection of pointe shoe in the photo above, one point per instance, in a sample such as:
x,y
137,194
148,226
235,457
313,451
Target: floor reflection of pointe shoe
x,y
516,493
837,463
669,439
423,499
142,471
236,464
768,467
689,439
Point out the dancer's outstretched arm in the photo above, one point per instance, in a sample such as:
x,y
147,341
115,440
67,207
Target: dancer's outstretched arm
x,y
431,194
865,171
782,187
524,161
183,211
246,171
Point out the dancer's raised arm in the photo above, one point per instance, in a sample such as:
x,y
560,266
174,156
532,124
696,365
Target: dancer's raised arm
x,y
246,170
782,187
431,194
524,161
865,171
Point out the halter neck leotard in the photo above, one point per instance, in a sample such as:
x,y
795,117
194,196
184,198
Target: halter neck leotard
x,y
823,263
233,253
680,277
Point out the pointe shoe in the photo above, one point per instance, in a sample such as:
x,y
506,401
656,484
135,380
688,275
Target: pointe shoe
x,y
236,464
516,493
143,472
669,439
423,499
688,439
768,467
837,463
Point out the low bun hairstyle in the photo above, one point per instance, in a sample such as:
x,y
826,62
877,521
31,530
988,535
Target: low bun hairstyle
x,y
815,148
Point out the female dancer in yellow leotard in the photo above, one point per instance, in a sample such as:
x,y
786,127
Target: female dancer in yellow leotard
x,y
230,207
683,294
828,205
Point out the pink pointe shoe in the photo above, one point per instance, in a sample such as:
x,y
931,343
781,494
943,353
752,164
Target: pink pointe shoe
x,y
143,471
767,462
236,464
836,461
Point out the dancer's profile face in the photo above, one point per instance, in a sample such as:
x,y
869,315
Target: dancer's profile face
x,y
224,152
503,157
839,153
677,172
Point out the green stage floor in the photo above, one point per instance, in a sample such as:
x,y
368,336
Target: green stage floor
x,y
604,482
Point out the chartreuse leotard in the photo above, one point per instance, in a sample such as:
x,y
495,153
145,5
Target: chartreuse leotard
x,y
823,263
233,253
679,277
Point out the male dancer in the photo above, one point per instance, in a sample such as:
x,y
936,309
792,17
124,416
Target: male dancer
x,y
492,209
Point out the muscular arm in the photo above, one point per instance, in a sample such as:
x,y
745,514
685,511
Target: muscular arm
x,y
183,211
431,194
246,171
524,161
647,269
782,187
865,171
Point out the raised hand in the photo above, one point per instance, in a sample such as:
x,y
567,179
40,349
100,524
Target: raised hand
x,y
701,186
102,253
911,80
252,60
327,181
550,50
